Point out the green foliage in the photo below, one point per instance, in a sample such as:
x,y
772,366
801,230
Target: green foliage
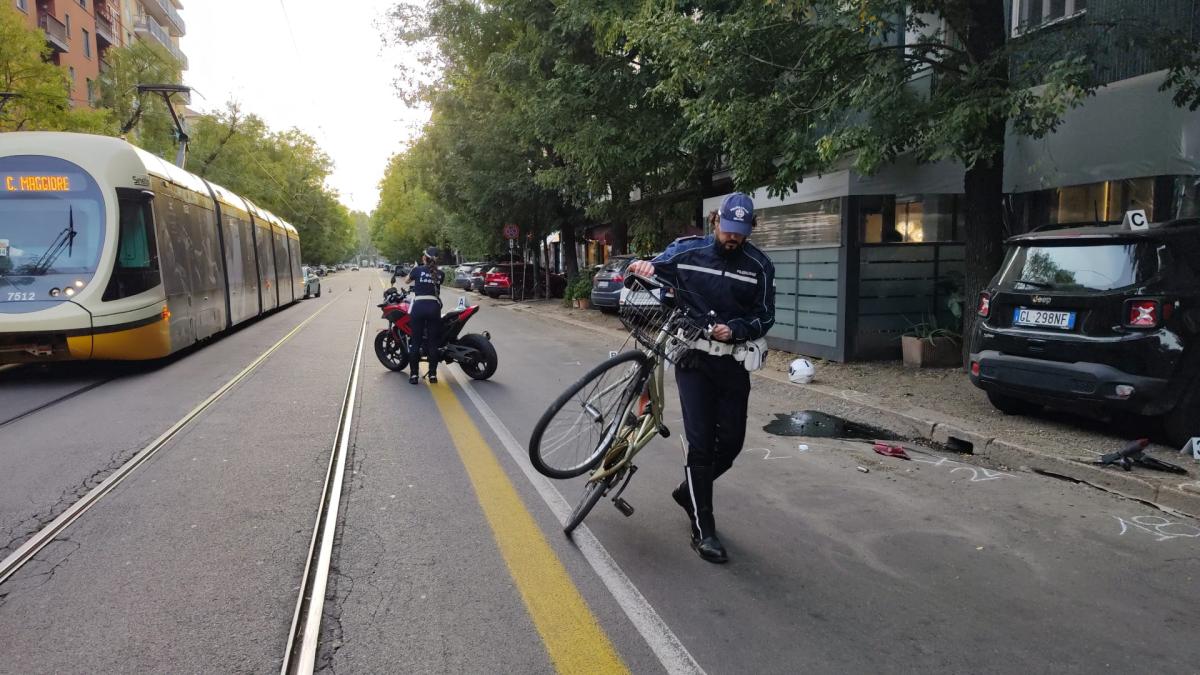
x,y
42,101
141,62
407,220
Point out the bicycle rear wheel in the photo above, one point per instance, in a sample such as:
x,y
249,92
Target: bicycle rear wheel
x,y
579,427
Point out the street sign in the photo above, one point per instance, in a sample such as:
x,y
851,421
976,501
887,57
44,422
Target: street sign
x,y
511,231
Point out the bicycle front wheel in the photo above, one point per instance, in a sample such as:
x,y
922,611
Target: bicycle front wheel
x,y
580,426
593,492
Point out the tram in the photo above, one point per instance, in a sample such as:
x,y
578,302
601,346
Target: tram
x,y
108,252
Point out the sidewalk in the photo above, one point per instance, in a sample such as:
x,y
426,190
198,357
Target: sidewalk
x,y
943,407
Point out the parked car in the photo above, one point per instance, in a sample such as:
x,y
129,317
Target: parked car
x,y
354,268
462,275
312,282
528,281
477,277
1103,317
609,282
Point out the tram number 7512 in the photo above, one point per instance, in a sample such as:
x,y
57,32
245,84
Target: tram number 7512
x,y
22,296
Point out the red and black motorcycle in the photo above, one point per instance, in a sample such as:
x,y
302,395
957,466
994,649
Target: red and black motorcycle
x,y
473,352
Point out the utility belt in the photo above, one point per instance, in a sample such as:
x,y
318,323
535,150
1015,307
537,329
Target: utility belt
x,y
427,297
751,354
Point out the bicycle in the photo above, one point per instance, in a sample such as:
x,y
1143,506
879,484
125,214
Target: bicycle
x,y
616,409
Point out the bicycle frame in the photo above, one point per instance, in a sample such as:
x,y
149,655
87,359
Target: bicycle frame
x,y
630,439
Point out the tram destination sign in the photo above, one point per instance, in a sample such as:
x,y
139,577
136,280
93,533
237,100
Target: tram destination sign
x,y
40,183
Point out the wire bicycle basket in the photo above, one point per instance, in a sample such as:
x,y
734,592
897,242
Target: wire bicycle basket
x,y
646,317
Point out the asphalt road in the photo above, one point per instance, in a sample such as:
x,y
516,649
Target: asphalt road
x,y
450,556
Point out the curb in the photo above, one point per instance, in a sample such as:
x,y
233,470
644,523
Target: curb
x,y
942,429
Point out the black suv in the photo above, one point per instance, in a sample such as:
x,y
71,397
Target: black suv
x,y
1096,316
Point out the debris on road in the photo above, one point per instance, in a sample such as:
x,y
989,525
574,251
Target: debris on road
x,y
1133,453
864,469
890,450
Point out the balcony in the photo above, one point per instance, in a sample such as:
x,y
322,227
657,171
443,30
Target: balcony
x,y
146,25
106,25
56,32
167,16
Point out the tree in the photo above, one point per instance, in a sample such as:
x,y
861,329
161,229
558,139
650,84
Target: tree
x,y
141,62
40,89
789,89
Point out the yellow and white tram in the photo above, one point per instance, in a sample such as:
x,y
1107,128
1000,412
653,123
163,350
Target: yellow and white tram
x,y
108,252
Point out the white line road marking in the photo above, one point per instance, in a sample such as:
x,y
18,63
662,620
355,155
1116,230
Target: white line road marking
x,y
674,657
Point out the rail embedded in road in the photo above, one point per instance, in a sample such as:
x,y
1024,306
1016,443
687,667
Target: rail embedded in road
x,y
300,654
17,559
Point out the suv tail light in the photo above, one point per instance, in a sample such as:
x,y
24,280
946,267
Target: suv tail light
x,y
617,278
985,304
1142,313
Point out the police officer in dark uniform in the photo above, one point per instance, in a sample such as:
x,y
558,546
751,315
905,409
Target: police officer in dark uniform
x,y
727,276
425,310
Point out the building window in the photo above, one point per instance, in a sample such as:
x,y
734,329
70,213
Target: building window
x,y
909,219
91,92
67,23
83,4
810,224
87,43
23,5
1033,14
1163,198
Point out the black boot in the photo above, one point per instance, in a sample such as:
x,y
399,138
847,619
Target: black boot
x,y
683,499
704,526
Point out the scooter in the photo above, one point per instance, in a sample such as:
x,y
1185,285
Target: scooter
x,y
473,352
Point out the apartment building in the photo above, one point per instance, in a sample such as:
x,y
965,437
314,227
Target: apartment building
x,y
861,259
80,33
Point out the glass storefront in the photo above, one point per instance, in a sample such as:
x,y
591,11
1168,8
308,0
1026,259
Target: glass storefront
x,y
1161,197
909,219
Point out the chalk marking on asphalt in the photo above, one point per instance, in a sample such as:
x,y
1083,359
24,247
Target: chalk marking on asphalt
x,y
18,558
671,653
310,603
573,638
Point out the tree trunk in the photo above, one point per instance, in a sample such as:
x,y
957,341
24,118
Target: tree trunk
x,y
620,221
570,258
984,182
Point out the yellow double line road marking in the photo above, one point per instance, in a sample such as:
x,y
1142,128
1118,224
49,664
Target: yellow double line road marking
x,y
574,639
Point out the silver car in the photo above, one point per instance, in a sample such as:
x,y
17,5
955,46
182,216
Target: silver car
x,y
312,282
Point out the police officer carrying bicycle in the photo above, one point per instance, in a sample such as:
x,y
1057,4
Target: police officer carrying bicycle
x,y
724,279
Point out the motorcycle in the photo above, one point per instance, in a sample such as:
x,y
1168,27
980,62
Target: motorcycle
x,y
473,352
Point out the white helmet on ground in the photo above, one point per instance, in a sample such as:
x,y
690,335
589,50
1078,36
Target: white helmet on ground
x,y
801,371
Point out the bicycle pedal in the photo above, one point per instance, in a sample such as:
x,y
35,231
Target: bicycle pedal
x,y
664,431
623,506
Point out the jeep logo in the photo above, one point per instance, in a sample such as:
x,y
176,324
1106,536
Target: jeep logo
x,y
1041,300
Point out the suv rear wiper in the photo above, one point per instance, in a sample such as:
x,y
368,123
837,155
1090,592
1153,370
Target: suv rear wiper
x,y
1035,284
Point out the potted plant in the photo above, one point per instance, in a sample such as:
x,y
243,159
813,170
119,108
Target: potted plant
x,y
925,345
583,292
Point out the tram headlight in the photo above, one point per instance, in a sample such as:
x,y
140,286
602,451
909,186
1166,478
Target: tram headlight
x,y
79,283
69,292
54,292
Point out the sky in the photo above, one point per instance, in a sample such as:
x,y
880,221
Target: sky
x,y
317,65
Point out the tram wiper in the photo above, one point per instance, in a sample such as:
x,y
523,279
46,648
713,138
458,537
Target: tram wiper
x,y
64,240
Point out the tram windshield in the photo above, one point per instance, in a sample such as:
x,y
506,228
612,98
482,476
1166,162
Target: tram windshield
x,y
51,229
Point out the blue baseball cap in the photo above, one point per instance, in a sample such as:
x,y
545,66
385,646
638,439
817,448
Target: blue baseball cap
x,y
737,214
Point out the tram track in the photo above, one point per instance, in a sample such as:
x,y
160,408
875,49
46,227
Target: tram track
x,y
11,418
48,533
300,653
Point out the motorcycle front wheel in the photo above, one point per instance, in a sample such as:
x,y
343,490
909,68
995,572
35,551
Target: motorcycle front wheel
x,y
392,354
